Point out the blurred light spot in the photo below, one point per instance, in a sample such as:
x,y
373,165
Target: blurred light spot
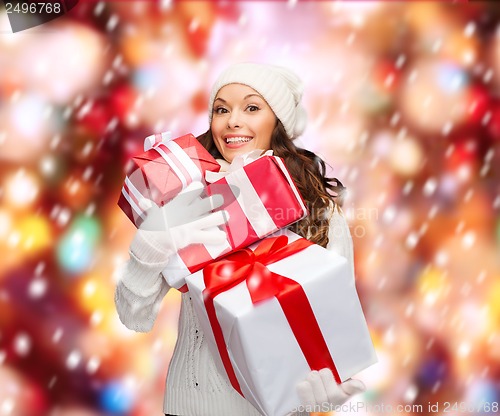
x,y
469,30
389,337
22,344
48,166
441,258
61,215
389,214
430,187
75,249
8,406
436,386
406,157
58,333
408,186
13,239
382,144
411,394
35,233
430,298
412,240
410,309
451,78
483,394
447,128
99,8
52,382
22,188
436,46
117,398
93,365
448,184
468,240
429,344
37,288
464,172
34,126
496,202
73,359
481,276
464,350
400,61
96,318
488,75
112,23
5,224
89,288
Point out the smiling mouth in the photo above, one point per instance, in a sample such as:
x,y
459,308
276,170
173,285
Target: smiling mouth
x,y
232,140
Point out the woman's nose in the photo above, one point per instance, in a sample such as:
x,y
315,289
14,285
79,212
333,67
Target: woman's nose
x,y
234,120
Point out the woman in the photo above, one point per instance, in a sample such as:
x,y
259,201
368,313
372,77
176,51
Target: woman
x,y
251,106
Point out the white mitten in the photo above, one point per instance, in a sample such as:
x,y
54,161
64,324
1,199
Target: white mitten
x,y
320,390
186,219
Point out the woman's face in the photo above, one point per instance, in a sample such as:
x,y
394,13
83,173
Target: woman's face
x,y
241,121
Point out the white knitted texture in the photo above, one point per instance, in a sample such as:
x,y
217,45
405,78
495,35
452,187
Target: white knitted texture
x,y
139,293
194,386
141,286
339,236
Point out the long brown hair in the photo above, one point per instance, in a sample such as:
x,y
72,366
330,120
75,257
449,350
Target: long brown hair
x,y
309,173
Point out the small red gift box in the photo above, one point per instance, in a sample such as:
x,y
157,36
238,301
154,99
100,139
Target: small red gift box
x,y
260,197
162,171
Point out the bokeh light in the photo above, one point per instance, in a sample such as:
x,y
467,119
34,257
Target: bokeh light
x,y
117,398
21,188
77,247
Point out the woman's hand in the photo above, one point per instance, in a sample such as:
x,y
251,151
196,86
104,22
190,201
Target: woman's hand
x,y
320,390
186,219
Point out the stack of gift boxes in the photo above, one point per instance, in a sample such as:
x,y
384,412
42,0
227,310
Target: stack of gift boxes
x,y
273,305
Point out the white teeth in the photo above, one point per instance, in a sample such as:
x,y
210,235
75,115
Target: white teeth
x,y
237,139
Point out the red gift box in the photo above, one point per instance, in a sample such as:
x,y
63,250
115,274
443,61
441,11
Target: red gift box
x,y
260,198
162,171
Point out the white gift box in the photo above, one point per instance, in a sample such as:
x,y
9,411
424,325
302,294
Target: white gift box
x,y
265,357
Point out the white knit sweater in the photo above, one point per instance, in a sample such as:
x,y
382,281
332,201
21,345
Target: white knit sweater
x,y
194,386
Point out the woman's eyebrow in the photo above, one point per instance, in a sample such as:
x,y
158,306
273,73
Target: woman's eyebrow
x,y
244,98
252,95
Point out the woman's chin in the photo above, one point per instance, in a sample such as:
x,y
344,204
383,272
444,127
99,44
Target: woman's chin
x,y
231,152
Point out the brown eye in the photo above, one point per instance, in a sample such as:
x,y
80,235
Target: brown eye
x,y
252,108
220,110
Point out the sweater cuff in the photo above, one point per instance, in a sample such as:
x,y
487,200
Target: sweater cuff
x,y
143,279
148,257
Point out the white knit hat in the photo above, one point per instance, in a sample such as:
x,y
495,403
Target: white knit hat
x,y
281,88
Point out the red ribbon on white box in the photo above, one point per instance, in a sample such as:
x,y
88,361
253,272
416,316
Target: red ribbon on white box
x,y
250,266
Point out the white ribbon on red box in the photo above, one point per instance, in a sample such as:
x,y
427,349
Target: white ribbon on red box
x,y
237,163
174,156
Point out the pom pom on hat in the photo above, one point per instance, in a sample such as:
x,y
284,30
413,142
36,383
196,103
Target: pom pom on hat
x,y
281,88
